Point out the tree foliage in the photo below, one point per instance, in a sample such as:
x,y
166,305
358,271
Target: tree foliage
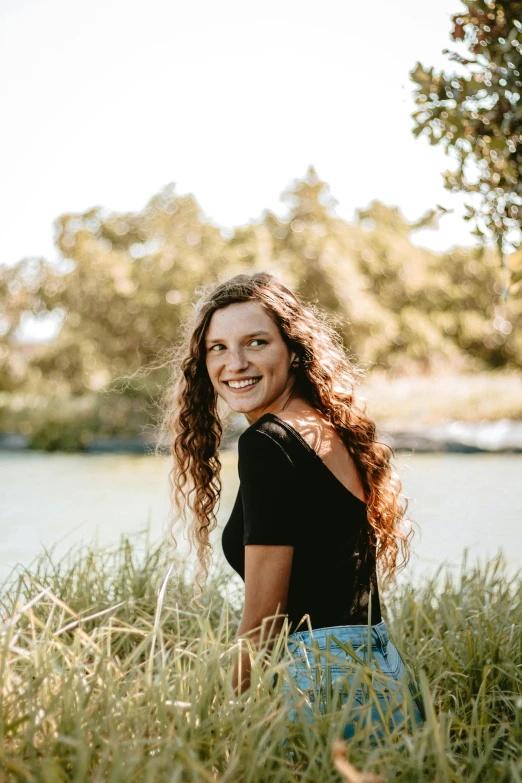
x,y
124,287
476,113
126,282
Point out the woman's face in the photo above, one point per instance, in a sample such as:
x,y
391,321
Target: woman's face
x,y
247,359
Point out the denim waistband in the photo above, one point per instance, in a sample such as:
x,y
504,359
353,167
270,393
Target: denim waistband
x,y
357,635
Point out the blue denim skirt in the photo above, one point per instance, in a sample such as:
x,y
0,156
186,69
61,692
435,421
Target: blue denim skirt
x,y
356,664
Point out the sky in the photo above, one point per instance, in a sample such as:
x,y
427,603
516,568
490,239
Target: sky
x,y
104,103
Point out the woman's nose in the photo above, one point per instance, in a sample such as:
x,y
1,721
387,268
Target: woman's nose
x,y
236,360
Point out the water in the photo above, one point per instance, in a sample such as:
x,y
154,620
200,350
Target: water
x,y
458,500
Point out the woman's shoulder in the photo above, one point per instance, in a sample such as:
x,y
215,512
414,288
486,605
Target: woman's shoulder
x,y
283,431
267,428
308,423
266,451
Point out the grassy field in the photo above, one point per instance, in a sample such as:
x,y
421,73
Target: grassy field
x,y
109,674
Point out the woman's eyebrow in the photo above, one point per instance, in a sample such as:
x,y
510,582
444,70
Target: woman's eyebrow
x,y
246,336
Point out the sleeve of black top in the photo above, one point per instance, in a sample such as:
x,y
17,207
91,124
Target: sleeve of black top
x,y
269,488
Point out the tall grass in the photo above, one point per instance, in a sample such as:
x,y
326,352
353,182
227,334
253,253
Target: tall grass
x,y
108,674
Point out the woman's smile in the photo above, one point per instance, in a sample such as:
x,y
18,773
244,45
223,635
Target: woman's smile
x,y
242,384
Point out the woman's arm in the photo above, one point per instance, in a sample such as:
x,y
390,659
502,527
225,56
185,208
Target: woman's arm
x,y
267,578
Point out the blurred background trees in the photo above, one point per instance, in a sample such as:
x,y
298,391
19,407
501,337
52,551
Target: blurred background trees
x,y
125,282
475,113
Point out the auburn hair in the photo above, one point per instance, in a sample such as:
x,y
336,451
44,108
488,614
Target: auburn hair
x,y
326,378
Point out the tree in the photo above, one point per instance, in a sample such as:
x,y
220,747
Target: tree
x,y
124,287
306,241
126,281
476,113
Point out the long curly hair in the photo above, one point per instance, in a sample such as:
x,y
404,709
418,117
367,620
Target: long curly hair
x,y
326,378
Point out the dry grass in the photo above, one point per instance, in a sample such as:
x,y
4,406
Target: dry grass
x,y
108,674
428,400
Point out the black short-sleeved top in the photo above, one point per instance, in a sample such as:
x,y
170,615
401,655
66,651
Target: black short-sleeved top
x,y
288,495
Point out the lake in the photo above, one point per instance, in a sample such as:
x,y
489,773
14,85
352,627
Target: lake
x,y
458,501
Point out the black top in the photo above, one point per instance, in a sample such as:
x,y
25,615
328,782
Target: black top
x,y
288,495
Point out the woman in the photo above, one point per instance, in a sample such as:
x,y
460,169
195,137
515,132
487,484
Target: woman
x,y
318,503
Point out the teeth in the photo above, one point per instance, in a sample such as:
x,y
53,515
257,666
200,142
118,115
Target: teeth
x,y
241,384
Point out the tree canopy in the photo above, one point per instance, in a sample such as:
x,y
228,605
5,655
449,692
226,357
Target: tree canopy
x,y
126,281
475,112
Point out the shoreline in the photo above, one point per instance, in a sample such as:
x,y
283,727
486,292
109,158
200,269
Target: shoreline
x,y
461,437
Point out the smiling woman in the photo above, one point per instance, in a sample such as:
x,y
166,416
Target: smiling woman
x,y
248,364
317,489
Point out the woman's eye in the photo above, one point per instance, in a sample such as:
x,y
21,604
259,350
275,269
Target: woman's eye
x,y
217,346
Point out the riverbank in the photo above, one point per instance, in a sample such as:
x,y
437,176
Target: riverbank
x,y
461,437
448,413
497,437
426,414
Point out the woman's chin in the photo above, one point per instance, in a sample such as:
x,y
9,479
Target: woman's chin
x,y
242,407
245,406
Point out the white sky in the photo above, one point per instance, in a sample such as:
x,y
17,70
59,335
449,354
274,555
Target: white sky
x,y
104,103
